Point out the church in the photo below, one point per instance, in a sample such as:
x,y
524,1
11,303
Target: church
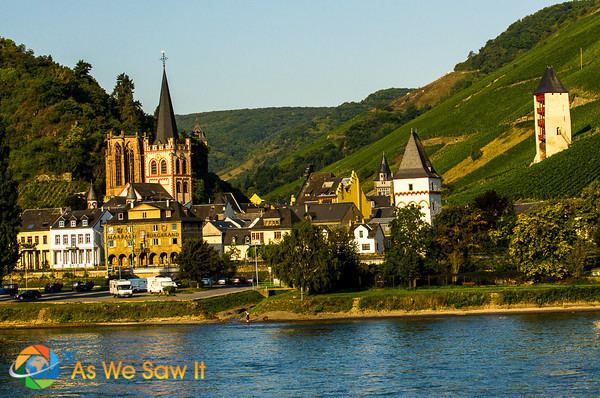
x,y
166,160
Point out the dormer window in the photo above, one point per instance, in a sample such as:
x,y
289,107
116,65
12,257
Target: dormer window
x,y
73,223
61,223
167,213
120,216
84,223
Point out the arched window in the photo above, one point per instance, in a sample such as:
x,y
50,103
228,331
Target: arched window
x,y
163,166
183,167
129,167
185,187
153,168
178,187
177,167
118,165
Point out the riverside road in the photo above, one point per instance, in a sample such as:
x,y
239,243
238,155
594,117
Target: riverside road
x,y
104,295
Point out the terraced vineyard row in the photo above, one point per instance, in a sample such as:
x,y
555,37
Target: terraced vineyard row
x,y
38,194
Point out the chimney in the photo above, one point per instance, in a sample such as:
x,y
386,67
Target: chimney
x,y
168,202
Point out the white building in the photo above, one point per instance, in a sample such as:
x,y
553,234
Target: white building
x,y
76,239
552,116
416,182
369,239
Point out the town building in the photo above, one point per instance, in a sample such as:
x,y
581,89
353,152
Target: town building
x,y
76,239
384,180
326,188
34,238
552,116
369,239
146,234
330,215
416,182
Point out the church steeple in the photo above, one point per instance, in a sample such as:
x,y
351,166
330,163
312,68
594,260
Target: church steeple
x,y
165,126
92,199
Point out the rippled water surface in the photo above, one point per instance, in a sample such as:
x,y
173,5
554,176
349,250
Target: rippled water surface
x,y
531,355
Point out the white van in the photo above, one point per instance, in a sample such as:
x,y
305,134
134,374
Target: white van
x,y
139,284
121,288
156,284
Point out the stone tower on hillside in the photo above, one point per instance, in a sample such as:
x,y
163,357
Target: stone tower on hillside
x,y
416,182
552,116
167,160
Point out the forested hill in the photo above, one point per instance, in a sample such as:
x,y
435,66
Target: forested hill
x,y
238,137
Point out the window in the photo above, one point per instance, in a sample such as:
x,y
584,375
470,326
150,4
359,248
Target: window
x,y
155,228
178,187
168,213
111,243
258,237
432,187
558,131
80,238
360,233
410,187
183,167
22,239
29,239
61,223
174,227
73,223
185,187
277,235
120,216
57,240
88,253
366,247
65,239
129,243
37,240
153,168
73,240
176,167
129,229
84,223
155,241
88,238
144,214
163,167
174,241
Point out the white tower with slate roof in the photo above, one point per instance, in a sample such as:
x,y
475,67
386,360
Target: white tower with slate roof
x,y
552,116
416,182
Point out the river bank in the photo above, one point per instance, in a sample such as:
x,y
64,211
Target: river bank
x,y
288,306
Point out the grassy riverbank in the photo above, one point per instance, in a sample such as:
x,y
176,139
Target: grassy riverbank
x,y
49,314
396,302
287,305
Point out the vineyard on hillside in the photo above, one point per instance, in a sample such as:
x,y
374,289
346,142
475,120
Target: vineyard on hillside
x,y
40,194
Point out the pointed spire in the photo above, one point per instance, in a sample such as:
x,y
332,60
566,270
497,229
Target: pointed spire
x,y
384,167
165,126
131,196
415,163
91,196
550,83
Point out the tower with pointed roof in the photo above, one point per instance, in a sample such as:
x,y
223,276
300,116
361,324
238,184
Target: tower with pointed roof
x,y
384,179
552,116
167,159
416,182
92,199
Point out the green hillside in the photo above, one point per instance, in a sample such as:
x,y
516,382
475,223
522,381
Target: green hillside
x,y
493,118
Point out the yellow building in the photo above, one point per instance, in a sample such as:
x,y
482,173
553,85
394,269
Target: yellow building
x,y
149,234
326,188
34,238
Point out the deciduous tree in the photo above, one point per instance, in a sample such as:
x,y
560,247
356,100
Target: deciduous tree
x,y
9,211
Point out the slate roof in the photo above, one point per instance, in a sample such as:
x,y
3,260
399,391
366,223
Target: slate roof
x,y
165,126
151,191
39,219
320,184
286,216
384,168
379,200
331,212
178,212
241,235
91,196
415,163
208,211
388,212
92,216
550,83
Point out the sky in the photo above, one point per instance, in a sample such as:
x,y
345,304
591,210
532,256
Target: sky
x,y
226,54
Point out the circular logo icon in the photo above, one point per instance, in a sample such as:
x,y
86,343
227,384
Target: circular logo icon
x,y
36,367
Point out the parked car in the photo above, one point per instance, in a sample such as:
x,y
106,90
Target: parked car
x,y
53,287
139,284
239,280
207,281
222,281
80,286
10,289
28,295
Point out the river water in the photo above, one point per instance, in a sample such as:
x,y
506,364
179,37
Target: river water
x,y
513,355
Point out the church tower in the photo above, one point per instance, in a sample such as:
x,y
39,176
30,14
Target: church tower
x,y
92,199
383,179
552,116
124,162
416,182
167,160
